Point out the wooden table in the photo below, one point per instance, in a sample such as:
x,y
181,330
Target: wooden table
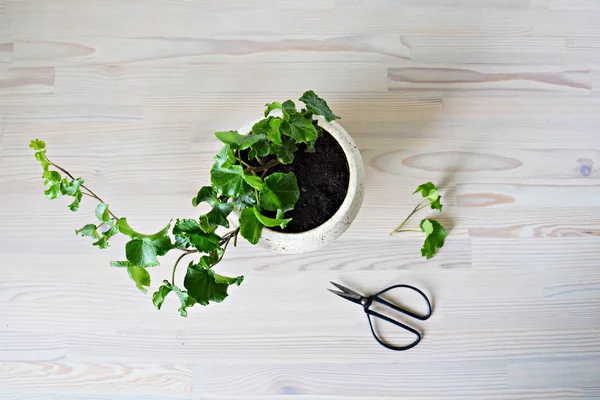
x,y
497,101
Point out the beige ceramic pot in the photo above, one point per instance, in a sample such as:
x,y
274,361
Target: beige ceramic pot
x,y
320,236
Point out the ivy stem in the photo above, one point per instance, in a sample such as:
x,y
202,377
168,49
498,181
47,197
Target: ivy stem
x,y
417,208
239,157
91,194
185,253
230,235
403,230
259,160
266,166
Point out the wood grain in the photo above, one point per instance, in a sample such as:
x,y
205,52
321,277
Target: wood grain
x,y
495,101
26,80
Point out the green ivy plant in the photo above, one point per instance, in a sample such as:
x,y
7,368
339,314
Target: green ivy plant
x,y
241,179
435,233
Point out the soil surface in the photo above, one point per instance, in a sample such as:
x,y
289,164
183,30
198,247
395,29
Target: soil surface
x,y
323,178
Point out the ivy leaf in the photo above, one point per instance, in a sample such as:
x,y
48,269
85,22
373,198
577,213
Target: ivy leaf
x,y
285,187
208,226
245,200
274,134
101,243
288,107
120,264
181,243
252,154
270,222
205,194
140,276
269,200
74,206
250,226
185,299
225,157
40,154
254,181
228,181
261,127
204,242
89,230
192,231
204,285
102,212
318,106
272,106
237,141
163,245
70,188
52,179
141,253
428,190
299,128
219,213
285,150
270,128
111,231
37,144
124,227
436,205
41,157
158,298
53,191
186,226
435,234
261,148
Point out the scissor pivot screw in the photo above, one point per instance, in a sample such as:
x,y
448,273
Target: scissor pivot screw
x,y
366,301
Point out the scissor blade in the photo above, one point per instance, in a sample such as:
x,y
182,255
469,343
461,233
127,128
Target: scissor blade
x,y
346,296
346,290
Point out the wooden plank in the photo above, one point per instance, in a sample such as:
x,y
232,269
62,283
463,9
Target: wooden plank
x,y
6,51
75,377
490,79
322,77
98,51
347,379
121,79
474,49
76,114
576,371
583,5
26,80
519,195
476,166
188,20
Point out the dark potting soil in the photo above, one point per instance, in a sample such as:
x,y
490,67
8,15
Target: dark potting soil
x,y
323,178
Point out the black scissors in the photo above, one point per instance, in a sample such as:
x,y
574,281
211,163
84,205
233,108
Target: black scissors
x,y
366,302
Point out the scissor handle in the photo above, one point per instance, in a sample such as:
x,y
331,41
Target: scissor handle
x,y
370,313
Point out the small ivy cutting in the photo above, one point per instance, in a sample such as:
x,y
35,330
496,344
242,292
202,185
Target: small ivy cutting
x,y
435,233
240,180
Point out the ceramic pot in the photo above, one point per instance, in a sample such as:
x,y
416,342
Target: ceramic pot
x,y
320,236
